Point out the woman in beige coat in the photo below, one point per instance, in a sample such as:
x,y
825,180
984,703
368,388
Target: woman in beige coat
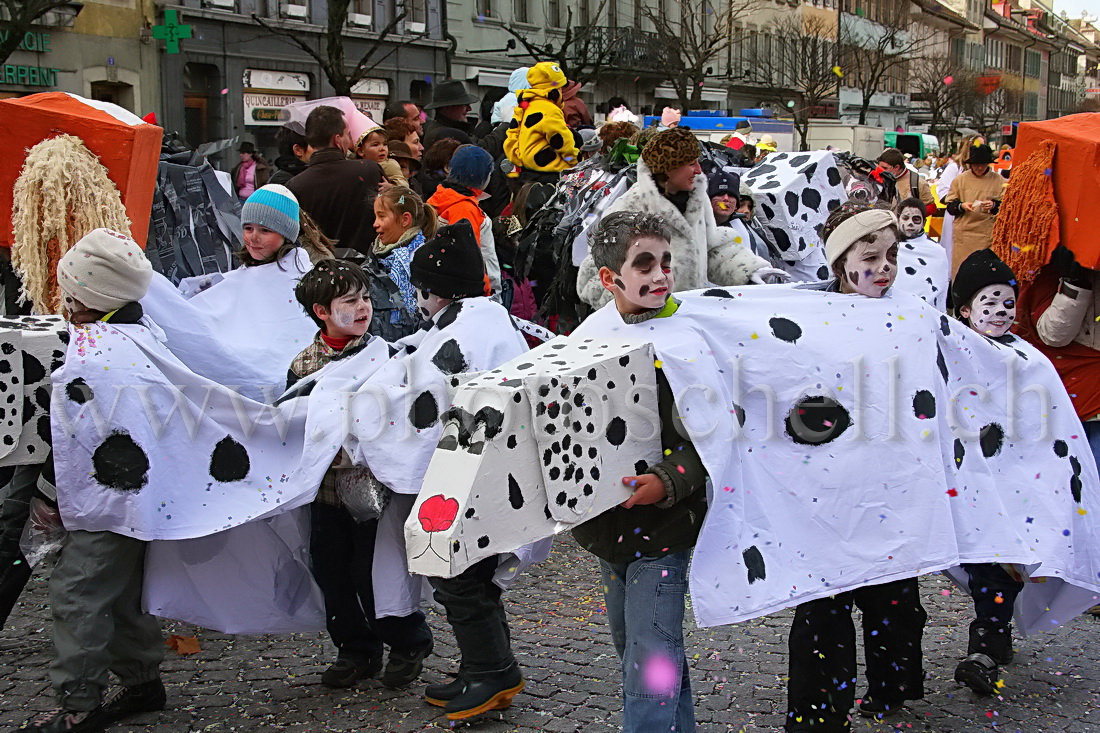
x,y
974,200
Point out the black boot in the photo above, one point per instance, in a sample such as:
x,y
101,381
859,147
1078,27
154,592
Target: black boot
x,y
486,693
347,671
404,667
994,641
148,697
442,693
978,672
873,707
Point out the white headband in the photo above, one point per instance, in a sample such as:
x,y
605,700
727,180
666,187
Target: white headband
x,y
854,228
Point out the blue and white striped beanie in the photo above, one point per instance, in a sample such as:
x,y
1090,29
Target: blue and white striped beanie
x,y
274,207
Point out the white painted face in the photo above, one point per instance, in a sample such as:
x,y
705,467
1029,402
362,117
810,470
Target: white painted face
x,y
646,278
350,315
992,310
911,222
429,304
871,265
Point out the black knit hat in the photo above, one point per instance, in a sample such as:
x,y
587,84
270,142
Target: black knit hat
x,y
982,268
720,182
980,155
449,264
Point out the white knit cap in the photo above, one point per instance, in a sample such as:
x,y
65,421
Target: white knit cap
x,y
104,271
854,228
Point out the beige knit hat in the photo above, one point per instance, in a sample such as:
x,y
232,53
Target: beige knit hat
x,y
104,271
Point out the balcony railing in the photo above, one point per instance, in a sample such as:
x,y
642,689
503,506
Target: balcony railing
x,y
622,48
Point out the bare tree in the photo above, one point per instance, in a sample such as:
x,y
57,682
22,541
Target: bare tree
x,y
1088,105
794,69
691,38
873,51
328,50
988,111
944,86
22,14
582,51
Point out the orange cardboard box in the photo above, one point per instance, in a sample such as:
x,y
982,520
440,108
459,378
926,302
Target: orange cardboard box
x,y
1076,179
130,151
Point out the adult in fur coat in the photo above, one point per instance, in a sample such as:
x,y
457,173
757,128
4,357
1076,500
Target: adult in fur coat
x,y
672,186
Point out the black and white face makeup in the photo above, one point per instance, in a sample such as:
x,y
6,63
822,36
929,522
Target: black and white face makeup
x,y
646,278
429,304
910,222
871,264
992,310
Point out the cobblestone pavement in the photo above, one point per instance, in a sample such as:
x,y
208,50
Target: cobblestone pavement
x,y
561,638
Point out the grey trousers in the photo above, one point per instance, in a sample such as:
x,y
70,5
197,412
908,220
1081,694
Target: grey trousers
x,y
98,624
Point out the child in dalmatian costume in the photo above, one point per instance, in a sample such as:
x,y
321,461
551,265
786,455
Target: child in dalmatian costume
x,y
644,545
96,587
671,185
448,274
336,295
861,245
243,328
985,291
923,265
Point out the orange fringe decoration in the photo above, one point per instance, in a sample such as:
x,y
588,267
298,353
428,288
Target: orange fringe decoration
x,y
1022,232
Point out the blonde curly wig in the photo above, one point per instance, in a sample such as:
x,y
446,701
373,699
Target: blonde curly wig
x,y
62,193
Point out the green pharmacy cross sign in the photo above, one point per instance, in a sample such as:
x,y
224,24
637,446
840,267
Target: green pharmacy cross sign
x,y
171,32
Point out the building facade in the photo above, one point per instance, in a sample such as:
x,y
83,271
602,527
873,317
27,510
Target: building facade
x,y
98,49
232,75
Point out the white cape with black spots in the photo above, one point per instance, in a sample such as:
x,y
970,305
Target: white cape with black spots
x,y
394,418
880,440
146,448
266,561
243,331
794,194
924,270
391,420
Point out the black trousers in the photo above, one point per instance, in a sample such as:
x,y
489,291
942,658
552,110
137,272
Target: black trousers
x,y
19,487
475,611
822,645
989,581
343,560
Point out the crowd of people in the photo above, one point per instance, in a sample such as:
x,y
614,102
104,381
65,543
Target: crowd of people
x,y
385,239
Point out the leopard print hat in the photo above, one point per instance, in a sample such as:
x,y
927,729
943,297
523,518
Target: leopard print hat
x,y
670,149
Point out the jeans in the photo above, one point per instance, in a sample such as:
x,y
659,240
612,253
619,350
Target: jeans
x,y
822,643
98,622
15,496
475,612
645,610
343,565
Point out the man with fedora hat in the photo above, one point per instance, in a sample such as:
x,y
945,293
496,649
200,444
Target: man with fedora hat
x,y
974,199
451,104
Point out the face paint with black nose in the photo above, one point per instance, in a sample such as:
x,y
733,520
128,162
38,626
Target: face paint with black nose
x,y
911,222
992,310
871,264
